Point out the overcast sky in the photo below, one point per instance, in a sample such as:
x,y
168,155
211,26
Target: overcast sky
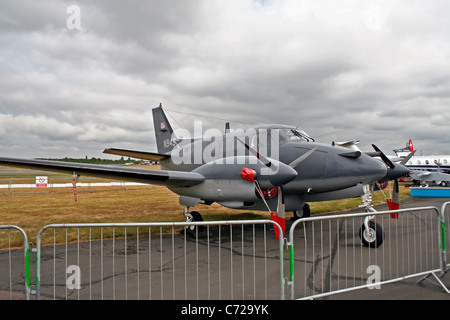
x,y
76,80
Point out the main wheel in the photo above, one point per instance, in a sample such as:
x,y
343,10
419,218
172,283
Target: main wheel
x,y
194,216
373,237
305,212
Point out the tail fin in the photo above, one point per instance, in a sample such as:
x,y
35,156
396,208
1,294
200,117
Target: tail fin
x,y
165,139
403,152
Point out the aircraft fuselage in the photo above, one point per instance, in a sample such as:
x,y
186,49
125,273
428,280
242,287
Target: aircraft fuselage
x,y
329,172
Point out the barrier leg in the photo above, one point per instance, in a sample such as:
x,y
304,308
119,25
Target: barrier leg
x,y
439,282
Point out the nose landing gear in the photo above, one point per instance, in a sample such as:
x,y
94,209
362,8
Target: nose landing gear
x,y
370,233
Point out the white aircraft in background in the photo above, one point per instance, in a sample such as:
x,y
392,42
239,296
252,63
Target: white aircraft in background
x,y
426,169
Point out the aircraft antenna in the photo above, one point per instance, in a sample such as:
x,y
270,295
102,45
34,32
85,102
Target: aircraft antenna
x,y
173,118
215,118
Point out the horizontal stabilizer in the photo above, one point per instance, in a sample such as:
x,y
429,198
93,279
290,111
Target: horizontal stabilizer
x,y
137,154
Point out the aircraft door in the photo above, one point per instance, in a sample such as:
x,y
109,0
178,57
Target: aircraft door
x,y
331,165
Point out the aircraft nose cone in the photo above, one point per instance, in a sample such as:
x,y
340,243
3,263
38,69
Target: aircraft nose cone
x,y
397,172
372,170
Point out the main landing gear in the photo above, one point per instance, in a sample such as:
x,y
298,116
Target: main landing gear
x,y
305,212
193,216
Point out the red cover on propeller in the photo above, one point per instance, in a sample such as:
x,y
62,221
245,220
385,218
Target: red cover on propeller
x,y
393,206
248,174
280,221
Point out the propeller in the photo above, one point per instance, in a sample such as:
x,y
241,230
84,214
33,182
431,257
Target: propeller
x,y
394,172
279,175
385,159
273,163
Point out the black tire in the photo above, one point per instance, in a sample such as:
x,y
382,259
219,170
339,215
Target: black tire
x,y
374,238
196,216
304,213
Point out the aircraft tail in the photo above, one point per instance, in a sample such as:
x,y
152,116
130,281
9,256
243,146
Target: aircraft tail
x,y
406,150
165,139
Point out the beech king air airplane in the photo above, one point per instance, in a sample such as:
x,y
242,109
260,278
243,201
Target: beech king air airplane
x,y
276,168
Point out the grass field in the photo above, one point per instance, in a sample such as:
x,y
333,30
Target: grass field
x,y
32,211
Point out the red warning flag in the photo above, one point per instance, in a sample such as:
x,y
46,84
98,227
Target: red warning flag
x,y
393,206
281,221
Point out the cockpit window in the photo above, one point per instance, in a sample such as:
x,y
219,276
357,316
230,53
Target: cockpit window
x,y
272,136
294,135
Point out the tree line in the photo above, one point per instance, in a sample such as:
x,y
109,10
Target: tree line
x,y
94,160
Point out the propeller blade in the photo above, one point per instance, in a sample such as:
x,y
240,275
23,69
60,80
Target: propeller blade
x,y
406,159
297,161
279,216
281,208
258,155
395,193
383,157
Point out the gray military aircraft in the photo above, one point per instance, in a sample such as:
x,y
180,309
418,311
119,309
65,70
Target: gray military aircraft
x,y
276,168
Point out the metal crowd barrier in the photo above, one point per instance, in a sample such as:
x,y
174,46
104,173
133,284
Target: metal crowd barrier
x,y
227,259
17,265
445,235
328,256
145,261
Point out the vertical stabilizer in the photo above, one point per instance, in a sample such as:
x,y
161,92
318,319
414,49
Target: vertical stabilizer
x,y
165,139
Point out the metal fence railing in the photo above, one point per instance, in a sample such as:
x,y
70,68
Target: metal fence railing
x,y
225,260
15,272
445,235
328,255
228,260
12,186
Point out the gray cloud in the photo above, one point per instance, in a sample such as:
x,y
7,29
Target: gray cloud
x,y
375,71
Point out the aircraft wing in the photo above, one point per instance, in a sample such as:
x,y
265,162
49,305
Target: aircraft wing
x,y
150,176
137,154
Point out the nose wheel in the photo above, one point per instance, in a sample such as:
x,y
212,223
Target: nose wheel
x,y
371,234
